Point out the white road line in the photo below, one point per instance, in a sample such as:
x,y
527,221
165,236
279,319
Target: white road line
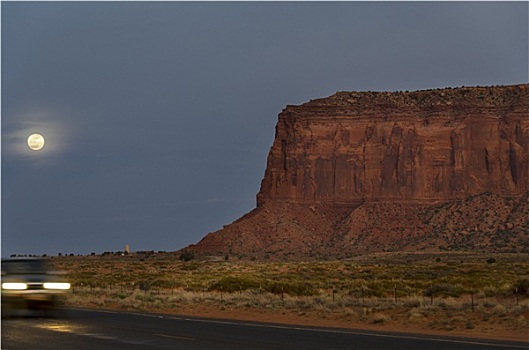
x,y
174,337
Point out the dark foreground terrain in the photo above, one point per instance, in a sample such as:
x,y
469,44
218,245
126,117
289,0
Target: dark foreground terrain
x,y
82,329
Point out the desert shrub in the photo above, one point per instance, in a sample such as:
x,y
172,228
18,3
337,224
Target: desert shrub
x,y
187,256
144,285
412,303
442,290
499,310
381,318
162,283
450,304
191,266
120,296
415,315
295,289
521,287
234,284
490,292
370,290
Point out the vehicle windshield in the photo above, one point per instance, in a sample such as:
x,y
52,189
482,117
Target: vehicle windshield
x,y
24,267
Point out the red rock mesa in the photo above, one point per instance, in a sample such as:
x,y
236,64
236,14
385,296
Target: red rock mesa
x,y
361,172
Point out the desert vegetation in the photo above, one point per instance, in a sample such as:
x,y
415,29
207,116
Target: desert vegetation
x,y
443,292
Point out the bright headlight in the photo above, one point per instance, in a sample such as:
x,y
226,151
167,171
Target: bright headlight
x,y
56,285
14,286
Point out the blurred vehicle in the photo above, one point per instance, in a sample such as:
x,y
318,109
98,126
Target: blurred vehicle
x,y
28,286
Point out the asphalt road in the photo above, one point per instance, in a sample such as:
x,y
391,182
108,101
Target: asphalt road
x,y
84,329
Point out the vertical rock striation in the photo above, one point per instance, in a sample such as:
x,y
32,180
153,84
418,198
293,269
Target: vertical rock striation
x,y
419,146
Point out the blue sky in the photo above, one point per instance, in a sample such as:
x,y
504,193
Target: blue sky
x,y
158,117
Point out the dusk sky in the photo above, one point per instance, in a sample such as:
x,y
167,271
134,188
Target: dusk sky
x,y
158,116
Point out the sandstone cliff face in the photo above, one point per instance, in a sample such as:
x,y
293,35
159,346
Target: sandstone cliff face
x,y
425,146
371,171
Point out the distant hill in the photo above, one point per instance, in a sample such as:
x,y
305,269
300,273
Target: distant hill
x,y
361,172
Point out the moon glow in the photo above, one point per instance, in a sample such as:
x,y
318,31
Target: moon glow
x,y
35,142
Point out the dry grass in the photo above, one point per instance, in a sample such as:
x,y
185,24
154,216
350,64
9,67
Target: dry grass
x,y
440,296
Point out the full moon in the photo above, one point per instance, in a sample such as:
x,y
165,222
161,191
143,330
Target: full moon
x,y
36,142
